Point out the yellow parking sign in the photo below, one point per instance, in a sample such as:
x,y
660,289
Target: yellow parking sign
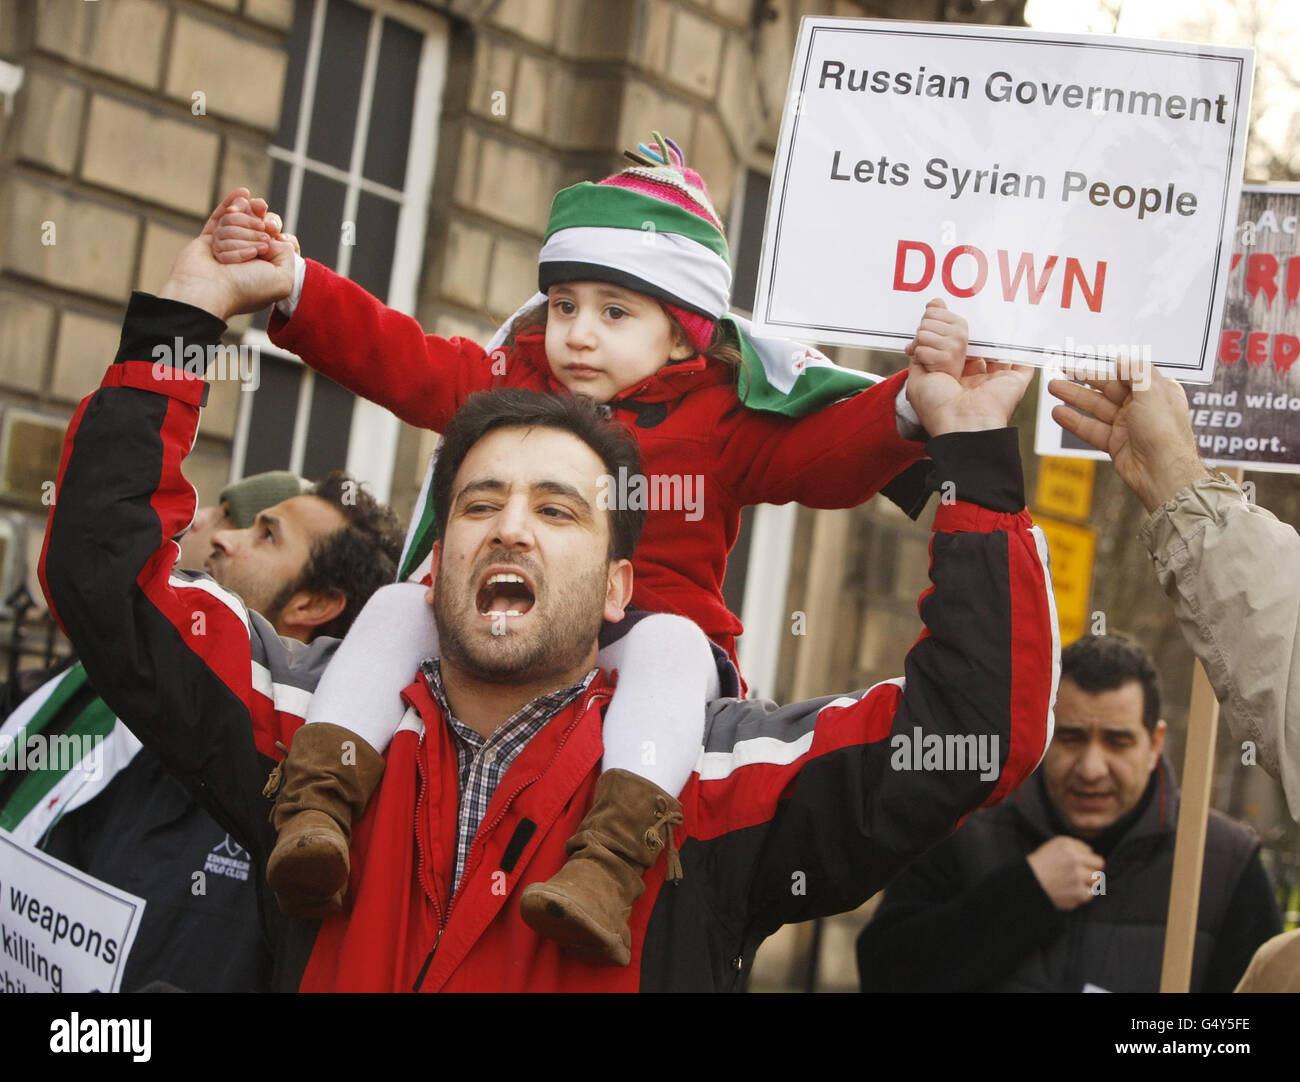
x,y
1065,486
1072,548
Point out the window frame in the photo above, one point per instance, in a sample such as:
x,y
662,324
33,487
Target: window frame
x,y
374,432
772,527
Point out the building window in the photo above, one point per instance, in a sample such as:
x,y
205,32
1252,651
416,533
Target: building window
x,y
353,165
746,240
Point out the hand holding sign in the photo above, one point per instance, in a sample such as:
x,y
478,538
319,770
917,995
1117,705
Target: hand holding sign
x,y
1145,430
941,339
955,393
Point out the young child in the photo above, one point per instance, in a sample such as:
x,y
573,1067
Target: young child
x,y
636,281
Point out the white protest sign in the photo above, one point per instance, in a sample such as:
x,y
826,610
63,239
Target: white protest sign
x,y
1250,415
1062,192
60,930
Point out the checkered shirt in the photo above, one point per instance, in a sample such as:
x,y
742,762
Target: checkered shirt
x,y
483,761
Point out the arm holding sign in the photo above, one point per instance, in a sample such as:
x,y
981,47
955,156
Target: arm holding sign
x,y
841,455
1227,564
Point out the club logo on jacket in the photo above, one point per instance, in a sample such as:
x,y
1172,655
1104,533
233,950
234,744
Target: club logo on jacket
x,y
230,859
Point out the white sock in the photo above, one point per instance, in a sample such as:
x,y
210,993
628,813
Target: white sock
x,y
361,687
655,722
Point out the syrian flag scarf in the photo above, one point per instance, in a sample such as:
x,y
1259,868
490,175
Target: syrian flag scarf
x,y
58,750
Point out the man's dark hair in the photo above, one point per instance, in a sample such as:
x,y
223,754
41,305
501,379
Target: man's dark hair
x,y
354,560
1099,663
513,408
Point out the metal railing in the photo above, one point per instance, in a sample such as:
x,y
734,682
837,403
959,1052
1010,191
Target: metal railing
x,y
27,630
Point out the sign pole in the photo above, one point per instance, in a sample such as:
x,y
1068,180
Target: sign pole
x,y
1193,815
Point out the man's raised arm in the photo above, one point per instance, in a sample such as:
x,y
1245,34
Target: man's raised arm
x,y
173,654
1226,563
841,792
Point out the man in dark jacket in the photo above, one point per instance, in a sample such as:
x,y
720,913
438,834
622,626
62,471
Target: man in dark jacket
x,y
1065,886
118,815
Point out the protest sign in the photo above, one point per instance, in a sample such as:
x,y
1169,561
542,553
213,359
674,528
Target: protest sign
x,y
60,929
1062,192
1250,415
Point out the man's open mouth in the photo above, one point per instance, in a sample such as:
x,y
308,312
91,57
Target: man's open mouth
x,y
504,593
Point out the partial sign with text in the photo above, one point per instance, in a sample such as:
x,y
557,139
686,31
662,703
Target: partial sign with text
x,y
1250,415
60,929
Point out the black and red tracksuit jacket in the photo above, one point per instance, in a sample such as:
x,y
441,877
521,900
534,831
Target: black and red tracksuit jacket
x,y
793,812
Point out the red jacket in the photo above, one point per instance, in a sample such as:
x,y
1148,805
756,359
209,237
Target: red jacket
x,y
793,812
687,418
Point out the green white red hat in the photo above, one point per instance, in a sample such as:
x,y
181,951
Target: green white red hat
x,y
651,228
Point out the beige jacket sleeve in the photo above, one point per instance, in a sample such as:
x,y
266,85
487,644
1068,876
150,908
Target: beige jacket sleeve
x,y
1233,572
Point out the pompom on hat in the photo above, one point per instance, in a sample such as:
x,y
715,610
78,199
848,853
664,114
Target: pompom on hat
x,y
651,228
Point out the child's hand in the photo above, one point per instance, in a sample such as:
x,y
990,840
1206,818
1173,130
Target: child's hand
x,y
983,396
941,340
247,231
227,288
952,392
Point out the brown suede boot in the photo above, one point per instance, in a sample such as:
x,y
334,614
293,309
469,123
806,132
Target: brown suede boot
x,y
328,778
586,904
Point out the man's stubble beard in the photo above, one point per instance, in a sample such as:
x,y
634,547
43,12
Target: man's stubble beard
x,y
254,590
554,647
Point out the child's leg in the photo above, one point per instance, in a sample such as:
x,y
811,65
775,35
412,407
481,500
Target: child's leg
x,y
653,730
655,722
361,687
336,760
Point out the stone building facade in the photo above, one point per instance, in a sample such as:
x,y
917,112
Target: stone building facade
x,y
413,145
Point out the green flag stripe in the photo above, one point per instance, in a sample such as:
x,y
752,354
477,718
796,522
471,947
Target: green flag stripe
x,y
69,697
589,204
95,720
421,540
71,683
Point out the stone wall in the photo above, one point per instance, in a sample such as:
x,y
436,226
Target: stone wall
x,y
133,117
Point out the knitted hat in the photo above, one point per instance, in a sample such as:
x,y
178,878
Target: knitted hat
x,y
651,228
253,494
